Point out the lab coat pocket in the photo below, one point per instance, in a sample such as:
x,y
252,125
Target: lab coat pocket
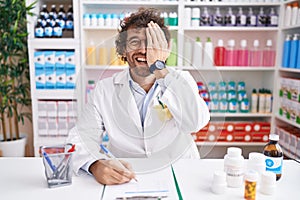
x,y
163,112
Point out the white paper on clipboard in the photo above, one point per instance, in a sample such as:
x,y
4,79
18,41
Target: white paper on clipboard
x,y
160,183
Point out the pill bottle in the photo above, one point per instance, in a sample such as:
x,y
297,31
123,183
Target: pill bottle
x,y
251,177
219,182
234,167
268,183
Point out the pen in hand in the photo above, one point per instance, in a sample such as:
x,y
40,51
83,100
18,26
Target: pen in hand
x,y
111,156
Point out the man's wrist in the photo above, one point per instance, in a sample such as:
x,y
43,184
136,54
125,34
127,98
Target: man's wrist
x,y
161,73
157,65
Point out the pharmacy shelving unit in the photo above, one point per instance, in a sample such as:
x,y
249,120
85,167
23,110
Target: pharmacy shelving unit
x,y
254,77
69,42
282,119
86,35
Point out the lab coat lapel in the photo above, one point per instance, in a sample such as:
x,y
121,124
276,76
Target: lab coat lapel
x,y
126,99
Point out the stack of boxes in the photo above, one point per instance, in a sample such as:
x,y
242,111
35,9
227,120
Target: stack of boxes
x,y
290,99
55,69
289,140
56,118
236,131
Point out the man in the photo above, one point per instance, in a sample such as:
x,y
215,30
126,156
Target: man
x,y
148,111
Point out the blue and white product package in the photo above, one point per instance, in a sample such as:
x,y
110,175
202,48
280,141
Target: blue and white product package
x,y
60,59
40,78
60,68
50,77
39,60
70,59
70,77
49,58
61,78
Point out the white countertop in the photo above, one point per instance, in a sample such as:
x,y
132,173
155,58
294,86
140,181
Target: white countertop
x,y
24,178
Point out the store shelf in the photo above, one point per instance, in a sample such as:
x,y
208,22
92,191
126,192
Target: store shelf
x,y
230,28
289,70
291,27
230,143
241,115
230,68
51,43
287,121
226,4
90,28
56,94
101,67
131,3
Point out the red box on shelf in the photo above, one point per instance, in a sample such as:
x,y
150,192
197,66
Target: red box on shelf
x,y
224,136
243,126
261,127
260,136
242,136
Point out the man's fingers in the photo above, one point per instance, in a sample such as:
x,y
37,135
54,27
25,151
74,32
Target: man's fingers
x,y
153,34
161,36
149,38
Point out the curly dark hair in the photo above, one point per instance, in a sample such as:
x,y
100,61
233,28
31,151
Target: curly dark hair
x,y
139,19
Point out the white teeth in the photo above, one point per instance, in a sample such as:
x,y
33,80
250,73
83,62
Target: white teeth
x,y
141,59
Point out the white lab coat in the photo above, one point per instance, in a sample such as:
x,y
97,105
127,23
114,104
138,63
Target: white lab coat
x,y
112,108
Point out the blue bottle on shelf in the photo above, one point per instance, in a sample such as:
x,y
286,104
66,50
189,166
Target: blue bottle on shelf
x,y
294,51
286,52
298,57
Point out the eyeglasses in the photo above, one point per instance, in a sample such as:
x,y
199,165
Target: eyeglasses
x,y
135,43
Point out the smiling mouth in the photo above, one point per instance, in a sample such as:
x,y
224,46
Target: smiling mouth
x,y
141,60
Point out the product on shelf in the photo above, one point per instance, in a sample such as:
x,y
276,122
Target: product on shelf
x,y
54,69
53,23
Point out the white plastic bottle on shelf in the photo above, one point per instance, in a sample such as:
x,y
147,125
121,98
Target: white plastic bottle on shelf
x,y
234,167
197,53
294,13
254,101
195,17
288,15
86,19
187,54
188,17
261,101
208,57
269,101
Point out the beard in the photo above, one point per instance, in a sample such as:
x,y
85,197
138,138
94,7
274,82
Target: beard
x,y
142,71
